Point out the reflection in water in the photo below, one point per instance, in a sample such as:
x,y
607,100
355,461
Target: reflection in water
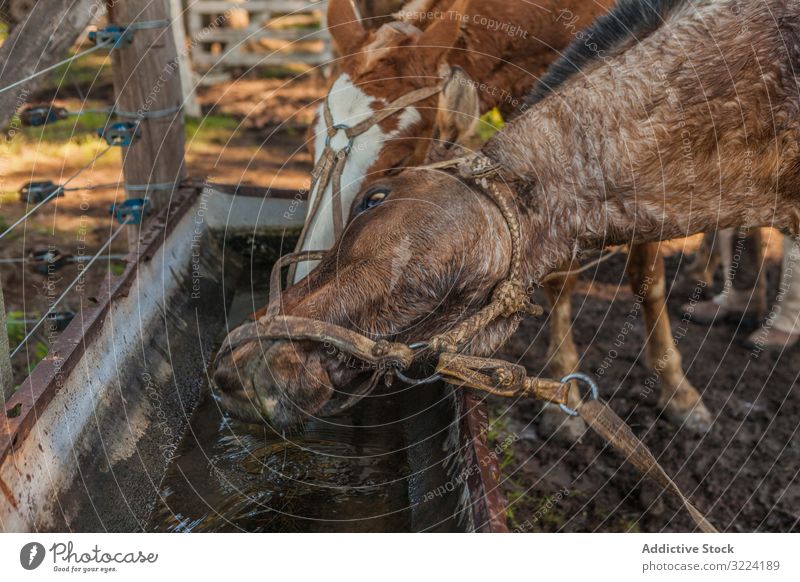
x,y
229,476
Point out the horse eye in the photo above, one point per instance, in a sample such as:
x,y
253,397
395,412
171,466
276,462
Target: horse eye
x,y
372,199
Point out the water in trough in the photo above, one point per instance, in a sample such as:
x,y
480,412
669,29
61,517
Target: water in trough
x,y
384,465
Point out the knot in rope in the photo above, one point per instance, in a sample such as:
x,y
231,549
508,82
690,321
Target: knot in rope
x,y
503,377
511,298
380,349
477,167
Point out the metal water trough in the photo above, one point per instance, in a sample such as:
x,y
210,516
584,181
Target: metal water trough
x,y
88,437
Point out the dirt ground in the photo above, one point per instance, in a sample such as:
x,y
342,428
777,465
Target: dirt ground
x,y
743,474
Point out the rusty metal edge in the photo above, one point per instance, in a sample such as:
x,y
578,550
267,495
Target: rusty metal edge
x,y
487,501
39,388
249,191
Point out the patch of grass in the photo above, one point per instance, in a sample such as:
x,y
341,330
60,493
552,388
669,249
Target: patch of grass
x,y
288,71
549,517
40,351
490,123
72,140
73,129
506,458
520,505
211,129
627,525
16,331
537,513
498,428
16,334
92,71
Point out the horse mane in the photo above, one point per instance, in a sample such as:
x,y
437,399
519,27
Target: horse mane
x,y
630,21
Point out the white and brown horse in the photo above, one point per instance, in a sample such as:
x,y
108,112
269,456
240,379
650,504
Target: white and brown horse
x,y
600,161
470,56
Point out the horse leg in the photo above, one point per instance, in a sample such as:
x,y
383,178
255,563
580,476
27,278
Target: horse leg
x,y
562,358
679,399
706,261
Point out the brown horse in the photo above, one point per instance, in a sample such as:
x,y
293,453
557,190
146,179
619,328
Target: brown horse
x,y
383,64
601,161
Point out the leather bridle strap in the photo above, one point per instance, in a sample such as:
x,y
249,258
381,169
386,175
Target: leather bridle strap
x,y
395,106
330,166
499,378
275,287
615,432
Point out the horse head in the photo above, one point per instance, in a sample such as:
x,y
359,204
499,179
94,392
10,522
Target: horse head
x,y
424,258
393,96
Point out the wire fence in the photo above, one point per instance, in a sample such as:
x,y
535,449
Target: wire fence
x,y
41,193
54,193
69,288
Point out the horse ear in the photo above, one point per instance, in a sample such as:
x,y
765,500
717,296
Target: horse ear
x,y
386,39
344,24
443,34
457,115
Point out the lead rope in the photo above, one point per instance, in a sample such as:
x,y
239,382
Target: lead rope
x,y
615,432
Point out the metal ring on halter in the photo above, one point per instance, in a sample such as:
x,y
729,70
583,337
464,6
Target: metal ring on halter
x,y
340,127
415,381
581,378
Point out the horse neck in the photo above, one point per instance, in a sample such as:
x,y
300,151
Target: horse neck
x,y
605,159
557,188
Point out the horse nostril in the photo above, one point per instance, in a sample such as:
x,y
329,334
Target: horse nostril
x,y
226,381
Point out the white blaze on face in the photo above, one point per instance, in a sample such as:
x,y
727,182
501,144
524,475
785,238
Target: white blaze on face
x,y
349,106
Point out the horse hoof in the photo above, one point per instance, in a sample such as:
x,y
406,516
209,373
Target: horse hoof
x,y
696,419
555,424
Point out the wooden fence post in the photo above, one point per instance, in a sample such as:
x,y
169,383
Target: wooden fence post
x,y
147,82
191,106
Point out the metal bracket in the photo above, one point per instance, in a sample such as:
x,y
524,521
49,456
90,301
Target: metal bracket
x,y
36,192
38,115
112,35
56,320
131,211
117,35
59,320
47,260
120,134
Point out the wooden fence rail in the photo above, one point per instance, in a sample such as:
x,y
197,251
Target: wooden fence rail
x,y
244,34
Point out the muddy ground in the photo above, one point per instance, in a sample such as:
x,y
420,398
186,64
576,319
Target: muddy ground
x,y
743,474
